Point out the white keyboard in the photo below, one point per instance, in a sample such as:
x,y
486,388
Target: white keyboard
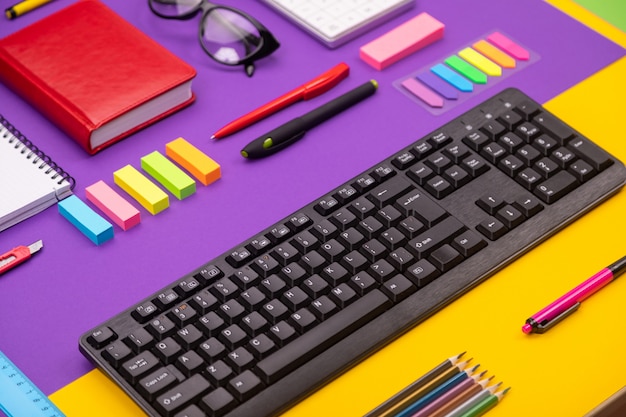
x,y
335,22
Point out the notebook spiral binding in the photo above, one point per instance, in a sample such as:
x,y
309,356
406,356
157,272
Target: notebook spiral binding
x,y
35,153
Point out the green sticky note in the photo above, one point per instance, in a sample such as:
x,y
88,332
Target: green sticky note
x,y
169,175
466,69
613,11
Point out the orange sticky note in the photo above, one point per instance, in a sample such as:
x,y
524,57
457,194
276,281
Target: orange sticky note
x,y
200,165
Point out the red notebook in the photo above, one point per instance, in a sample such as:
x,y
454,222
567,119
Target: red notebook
x,y
94,74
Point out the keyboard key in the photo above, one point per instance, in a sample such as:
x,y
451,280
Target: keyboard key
x,y
468,243
145,311
116,352
167,350
398,288
245,385
590,153
474,165
139,340
185,393
218,402
510,216
582,170
445,258
156,382
554,127
440,233
386,193
422,207
101,337
422,273
492,228
138,366
189,363
528,205
556,187
490,203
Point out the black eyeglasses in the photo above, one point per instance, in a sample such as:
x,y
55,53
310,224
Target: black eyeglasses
x,y
229,36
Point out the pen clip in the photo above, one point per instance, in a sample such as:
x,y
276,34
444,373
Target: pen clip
x,y
547,325
326,81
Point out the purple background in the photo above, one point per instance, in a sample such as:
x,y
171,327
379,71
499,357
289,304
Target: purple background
x,y
73,285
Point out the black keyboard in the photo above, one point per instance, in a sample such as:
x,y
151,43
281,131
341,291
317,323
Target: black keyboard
x,y
256,329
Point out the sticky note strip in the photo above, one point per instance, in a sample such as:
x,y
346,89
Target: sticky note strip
x,y
168,174
438,85
495,54
193,160
467,70
453,78
90,223
402,41
151,197
481,62
422,92
508,46
124,214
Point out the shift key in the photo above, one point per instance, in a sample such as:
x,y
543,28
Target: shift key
x,y
436,236
185,393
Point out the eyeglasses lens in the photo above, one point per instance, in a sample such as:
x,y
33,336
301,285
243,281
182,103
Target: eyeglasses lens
x,y
229,37
174,8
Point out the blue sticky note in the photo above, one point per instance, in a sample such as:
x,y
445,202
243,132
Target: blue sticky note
x,y
90,223
454,78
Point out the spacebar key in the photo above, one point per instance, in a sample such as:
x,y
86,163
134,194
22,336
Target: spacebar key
x,y
323,336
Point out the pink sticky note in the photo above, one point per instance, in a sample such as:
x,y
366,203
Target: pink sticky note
x,y
423,93
402,41
508,46
119,210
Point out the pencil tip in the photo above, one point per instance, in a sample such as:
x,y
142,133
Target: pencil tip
x,y
213,137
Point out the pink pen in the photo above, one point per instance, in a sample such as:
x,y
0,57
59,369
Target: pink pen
x,y
568,303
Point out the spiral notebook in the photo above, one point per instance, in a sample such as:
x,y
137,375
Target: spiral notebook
x,y
29,180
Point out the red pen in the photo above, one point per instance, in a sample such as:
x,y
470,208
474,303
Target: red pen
x,y
18,255
568,303
311,89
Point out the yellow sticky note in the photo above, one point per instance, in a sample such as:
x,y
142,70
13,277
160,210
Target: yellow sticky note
x,y
481,62
205,169
151,197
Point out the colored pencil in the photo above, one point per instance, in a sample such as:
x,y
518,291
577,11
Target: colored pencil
x,y
471,402
437,392
454,397
485,405
422,385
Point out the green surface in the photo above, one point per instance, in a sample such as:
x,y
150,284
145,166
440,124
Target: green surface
x,y
613,11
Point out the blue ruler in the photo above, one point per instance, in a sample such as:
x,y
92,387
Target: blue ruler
x,y
19,397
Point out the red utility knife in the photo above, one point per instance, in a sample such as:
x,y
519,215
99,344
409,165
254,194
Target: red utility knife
x,y
18,255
